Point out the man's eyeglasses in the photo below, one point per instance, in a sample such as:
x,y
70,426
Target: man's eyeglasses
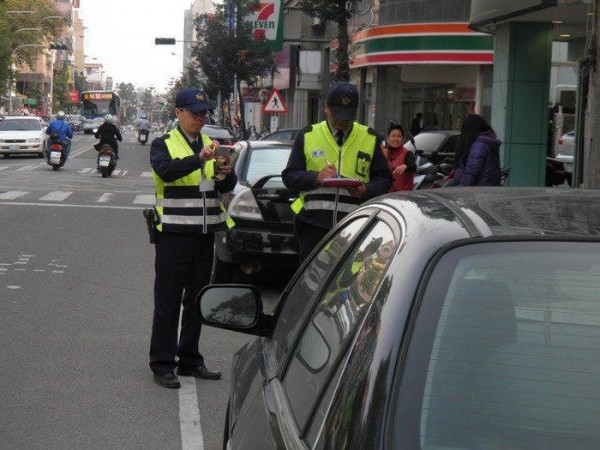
x,y
198,115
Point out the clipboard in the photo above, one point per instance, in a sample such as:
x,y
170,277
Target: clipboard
x,y
341,182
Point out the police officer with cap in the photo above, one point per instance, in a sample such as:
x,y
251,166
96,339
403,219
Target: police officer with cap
x,y
338,147
188,211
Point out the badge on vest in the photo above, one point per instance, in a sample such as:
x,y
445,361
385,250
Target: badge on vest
x,y
317,153
363,162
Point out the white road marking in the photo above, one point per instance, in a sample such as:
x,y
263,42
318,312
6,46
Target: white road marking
x,y
56,196
189,415
116,172
105,197
26,168
4,167
144,199
14,287
146,174
86,170
11,195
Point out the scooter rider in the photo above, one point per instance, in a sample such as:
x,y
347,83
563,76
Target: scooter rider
x,y
143,123
108,133
60,127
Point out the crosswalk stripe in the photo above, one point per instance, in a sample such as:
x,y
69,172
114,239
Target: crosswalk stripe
x,y
56,196
11,195
4,167
146,174
105,197
86,170
144,199
116,172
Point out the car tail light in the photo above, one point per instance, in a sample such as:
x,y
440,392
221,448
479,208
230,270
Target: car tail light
x,y
560,141
244,206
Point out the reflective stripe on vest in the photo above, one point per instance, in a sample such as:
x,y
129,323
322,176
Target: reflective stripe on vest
x,y
321,149
191,201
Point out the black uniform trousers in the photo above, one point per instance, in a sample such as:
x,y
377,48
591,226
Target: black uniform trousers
x,y
308,237
183,265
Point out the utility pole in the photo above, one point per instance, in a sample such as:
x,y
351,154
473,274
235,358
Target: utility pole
x,y
591,144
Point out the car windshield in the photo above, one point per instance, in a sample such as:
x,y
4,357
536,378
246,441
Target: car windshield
x,y
428,142
217,132
505,349
20,125
267,161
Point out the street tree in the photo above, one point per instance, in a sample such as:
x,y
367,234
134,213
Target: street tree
x,y
61,88
21,45
339,12
228,53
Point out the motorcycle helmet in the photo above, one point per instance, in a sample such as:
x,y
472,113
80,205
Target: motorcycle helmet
x,y
60,115
108,118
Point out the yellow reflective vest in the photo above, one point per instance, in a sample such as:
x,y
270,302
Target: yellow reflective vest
x,y
191,203
320,150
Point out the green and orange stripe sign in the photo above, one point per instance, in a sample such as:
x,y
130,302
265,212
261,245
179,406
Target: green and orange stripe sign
x,y
426,43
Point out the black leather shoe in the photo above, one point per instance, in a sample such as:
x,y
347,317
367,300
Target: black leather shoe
x,y
198,372
168,380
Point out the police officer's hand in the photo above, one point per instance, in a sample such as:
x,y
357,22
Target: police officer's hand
x,y
329,171
208,152
358,191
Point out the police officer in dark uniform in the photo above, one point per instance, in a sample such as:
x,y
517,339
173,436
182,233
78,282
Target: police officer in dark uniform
x,y
188,212
337,147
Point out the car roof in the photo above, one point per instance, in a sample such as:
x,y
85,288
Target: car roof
x,y
492,212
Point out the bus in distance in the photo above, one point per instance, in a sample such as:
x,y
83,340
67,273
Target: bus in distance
x,y
97,104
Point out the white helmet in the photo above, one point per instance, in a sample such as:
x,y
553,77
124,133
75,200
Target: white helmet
x,y
60,115
108,118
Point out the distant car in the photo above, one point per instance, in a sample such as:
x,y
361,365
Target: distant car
x,y
263,236
448,319
565,149
74,120
283,135
221,134
22,135
435,145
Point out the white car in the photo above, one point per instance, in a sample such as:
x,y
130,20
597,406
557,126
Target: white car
x,y
22,135
565,148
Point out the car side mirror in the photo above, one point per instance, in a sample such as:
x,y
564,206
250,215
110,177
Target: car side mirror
x,y
233,307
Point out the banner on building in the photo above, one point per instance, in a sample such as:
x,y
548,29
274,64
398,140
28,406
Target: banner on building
x,y
267,23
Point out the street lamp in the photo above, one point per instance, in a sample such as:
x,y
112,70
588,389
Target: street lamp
x,y
10,91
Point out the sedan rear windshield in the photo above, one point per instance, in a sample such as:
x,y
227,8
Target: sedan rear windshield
x,y
267,161
20,125
505,350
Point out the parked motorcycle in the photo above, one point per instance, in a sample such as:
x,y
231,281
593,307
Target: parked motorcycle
x,y
56,156
143,136
107,161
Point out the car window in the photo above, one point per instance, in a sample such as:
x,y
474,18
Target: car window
x,y
333,323
293,311
266,161
20,125
505,350
450,144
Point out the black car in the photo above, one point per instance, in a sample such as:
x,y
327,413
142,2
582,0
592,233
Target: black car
x,y
450,319
283,135
263,236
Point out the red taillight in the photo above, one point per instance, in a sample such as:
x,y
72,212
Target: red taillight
x,y
56,147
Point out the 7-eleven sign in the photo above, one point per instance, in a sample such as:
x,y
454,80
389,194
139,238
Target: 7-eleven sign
x,y
274,104
267,23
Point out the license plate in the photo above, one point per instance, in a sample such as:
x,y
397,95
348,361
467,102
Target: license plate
x,y
13,147
55,157
104,161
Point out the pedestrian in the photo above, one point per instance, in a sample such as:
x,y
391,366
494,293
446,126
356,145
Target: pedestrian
x,y
341,148
415,125
59,130
401,161
477,154
188,209
109,134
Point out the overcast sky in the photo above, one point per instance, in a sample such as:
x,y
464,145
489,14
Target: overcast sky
x,y
120,33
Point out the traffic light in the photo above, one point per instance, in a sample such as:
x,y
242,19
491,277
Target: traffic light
x,y
164,41
59,47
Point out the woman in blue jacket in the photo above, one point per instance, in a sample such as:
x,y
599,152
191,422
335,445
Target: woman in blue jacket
x,y
477,154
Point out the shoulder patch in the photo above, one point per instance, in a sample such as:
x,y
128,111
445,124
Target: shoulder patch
x,y
372,131
307,129
165,136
